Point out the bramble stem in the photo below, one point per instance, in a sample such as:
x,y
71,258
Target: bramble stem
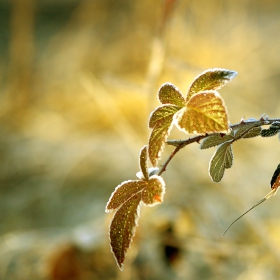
x,y
179,144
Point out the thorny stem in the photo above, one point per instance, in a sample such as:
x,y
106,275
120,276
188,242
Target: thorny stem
x,y
179,144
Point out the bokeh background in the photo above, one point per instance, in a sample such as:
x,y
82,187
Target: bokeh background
x,y
78,81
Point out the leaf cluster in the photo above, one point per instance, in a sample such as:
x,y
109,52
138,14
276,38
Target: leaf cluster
x,y
203,113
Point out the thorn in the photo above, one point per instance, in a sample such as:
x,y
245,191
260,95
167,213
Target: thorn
x,y
263,117
242,120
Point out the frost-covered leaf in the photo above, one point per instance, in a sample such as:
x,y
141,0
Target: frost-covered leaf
x,y
123,192
272,130
161,121
143,162
157,140
154,192
254,132
215,140
162,114
170,94
122,228
249,130
222,159
205,112
211,79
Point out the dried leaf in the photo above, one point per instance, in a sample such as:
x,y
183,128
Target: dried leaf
x,y
122,228
211,79
123,192
275,178
205,112
154,192
170,94
222,159
215,140
143,163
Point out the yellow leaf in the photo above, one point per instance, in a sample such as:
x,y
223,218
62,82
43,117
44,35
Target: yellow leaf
x,y
170,94
204,113
162,114
161,121
211,79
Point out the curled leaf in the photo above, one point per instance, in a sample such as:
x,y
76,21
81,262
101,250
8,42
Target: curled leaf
x,y
275,180
122,228
170,94
143,162
154,192
222,159
205,112
211,79
123,192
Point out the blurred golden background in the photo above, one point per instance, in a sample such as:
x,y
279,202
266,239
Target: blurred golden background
x,y
78,81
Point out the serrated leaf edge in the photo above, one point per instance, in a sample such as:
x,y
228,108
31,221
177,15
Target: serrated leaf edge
x,y
137,216
229,143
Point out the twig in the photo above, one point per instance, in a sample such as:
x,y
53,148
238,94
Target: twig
x,y
179,144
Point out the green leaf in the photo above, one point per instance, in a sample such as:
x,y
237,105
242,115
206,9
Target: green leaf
x,y
143,162
222,159
170,94
204,113
272,130
247,130
122,228
161,121
254,132
211,79
123,192
215,140
154,192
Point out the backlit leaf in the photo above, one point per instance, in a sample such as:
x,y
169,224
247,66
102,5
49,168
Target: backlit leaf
x,y
211,79
222,159
272,130
215,140
122,228
205,112
143,162
170,94
154,192
162,114
123,192
161,121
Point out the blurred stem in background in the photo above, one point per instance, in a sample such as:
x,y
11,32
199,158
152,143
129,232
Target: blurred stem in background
x,y
21,50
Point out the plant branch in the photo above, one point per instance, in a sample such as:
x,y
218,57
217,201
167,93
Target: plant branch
x,y
179,144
